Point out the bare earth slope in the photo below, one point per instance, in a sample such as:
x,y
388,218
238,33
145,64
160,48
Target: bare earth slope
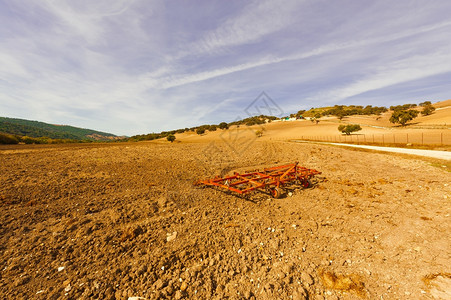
x,y
119,221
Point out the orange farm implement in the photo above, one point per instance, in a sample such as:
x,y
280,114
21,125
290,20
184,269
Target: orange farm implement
x,y
270,180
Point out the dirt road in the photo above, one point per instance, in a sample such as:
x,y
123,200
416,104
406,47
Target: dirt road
x,y
124,220
446,155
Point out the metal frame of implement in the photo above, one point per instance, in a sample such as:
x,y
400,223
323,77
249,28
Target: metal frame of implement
x,y
270,180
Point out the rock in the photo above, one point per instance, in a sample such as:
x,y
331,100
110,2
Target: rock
x,y
171,236
178,295
184,286
212,262
21,281
300,294
306,278
162,202
159,284
247,294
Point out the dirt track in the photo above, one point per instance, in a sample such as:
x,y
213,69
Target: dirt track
x,y
119,221
443,155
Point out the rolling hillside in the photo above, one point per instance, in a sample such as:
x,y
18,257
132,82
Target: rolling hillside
x,y
38,129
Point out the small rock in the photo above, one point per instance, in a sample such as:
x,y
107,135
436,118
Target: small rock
x,y
159,284
306,278
171,236
67,288
178,295
290,194
184,286
300,294
247,294
60,269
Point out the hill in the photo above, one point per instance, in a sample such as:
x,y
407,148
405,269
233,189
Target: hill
x,y
36,129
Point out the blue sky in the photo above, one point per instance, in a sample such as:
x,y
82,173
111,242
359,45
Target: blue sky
x,y
133,67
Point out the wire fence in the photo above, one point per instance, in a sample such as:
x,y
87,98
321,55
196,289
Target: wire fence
x,y
439,138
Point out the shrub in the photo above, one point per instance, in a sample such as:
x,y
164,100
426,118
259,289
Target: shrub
x,y
171,138
200,130
349,128
427,110
403,116
223,125
8,139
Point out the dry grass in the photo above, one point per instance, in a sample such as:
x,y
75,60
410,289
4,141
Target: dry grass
x,y
348,283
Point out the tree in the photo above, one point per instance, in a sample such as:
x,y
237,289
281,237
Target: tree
x,y
425,103
212,128
223,125
200,130
259,133
403,116
349,128
427,109
8,139
300,113
171,138
340,115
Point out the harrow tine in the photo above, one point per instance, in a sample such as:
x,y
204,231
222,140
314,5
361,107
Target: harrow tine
x,y
269,180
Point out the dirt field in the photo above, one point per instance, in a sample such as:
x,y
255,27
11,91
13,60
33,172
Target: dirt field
x,y
124,220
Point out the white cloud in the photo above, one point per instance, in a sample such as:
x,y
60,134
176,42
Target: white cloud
x,y
255,21
412,68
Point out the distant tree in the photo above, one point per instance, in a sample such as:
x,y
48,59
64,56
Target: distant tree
x,y
259,133
403,116
402,107
171,138
347,129
340,115
427,109
223,125
212,128
300,113
200,130
425,103
8,139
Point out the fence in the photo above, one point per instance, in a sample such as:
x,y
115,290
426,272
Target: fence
x,y
417,138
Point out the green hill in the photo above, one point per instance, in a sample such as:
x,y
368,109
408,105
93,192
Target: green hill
x,y
38,129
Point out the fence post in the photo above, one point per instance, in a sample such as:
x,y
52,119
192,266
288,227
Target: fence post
x,y
394,141
373,138
383,139
441,138
422,139
407,138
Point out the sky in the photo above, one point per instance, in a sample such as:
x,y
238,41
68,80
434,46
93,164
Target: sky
x,y
139,66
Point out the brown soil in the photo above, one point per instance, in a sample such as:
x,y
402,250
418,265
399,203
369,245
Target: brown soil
x,y
124,220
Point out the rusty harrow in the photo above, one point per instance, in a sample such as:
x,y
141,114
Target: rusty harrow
x,y
270,180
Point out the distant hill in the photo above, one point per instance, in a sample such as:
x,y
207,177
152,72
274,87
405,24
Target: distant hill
x,y
36,129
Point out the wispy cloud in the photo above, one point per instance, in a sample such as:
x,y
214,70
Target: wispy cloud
x,y
137,66
256,21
